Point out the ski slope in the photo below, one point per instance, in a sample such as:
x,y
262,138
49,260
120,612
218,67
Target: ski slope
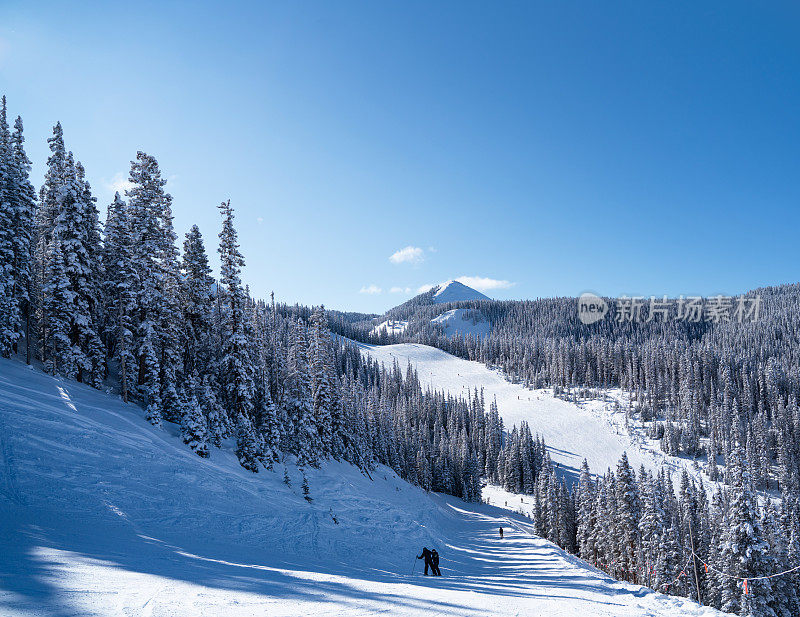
x,y
571,432
458,321
103,514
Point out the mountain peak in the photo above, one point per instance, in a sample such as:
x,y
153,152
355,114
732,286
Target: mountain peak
x,y
453,291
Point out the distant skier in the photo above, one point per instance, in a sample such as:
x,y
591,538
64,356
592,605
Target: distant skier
x,y
428,557
435,563
501,533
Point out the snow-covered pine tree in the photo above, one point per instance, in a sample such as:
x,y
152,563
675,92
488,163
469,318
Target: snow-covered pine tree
x,y
297,399
120,280
88,288
17,206
745,553
50,197
322,385
9,318
586,521
24,211
155,261
234,368
197,301
194,428
247,443
170,313
218,425
75,226
57,300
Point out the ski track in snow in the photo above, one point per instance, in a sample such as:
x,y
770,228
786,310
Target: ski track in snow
x,y
102,514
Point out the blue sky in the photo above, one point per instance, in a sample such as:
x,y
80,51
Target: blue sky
x,y
541,148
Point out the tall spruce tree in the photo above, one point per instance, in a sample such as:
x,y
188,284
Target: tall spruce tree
x,y
235,371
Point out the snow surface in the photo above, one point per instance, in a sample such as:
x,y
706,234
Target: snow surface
x,y
453,291
593,430
103,514
458,321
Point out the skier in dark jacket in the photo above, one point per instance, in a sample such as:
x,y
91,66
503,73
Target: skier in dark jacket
x,y
435,563
501,533
428,557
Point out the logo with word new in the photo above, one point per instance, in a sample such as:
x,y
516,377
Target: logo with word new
x,y
591,308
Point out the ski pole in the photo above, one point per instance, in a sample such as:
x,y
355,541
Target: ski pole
x,y
414,567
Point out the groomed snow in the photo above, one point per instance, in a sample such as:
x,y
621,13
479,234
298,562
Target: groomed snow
x,y
102,514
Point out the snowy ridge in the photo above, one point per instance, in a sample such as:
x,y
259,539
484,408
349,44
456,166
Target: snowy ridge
x,y
102,514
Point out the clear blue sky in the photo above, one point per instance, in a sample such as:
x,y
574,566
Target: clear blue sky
x,y
637,147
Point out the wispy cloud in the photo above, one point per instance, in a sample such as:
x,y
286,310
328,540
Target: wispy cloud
x,y
482,283
118,184
423,288
409,254
370,290
400,290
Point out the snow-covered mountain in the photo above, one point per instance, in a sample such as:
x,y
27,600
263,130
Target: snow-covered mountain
x,y
453,291
424,309
103,514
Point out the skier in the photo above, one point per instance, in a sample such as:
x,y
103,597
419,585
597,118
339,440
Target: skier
x,y
435,563
428,557
501,533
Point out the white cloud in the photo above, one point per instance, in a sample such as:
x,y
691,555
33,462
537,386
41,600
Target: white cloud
x,y
409,254
400,290
118,184
482,283
423,288
371,290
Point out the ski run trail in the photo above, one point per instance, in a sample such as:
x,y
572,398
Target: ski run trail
x,y
593,430
103,514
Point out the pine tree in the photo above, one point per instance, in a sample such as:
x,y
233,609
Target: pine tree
x,y
120,280
246,443
745,553
215,417
197,299
235,370
17,206
58,298
8,317
154,258
322,386
297,399
194,430
627,506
